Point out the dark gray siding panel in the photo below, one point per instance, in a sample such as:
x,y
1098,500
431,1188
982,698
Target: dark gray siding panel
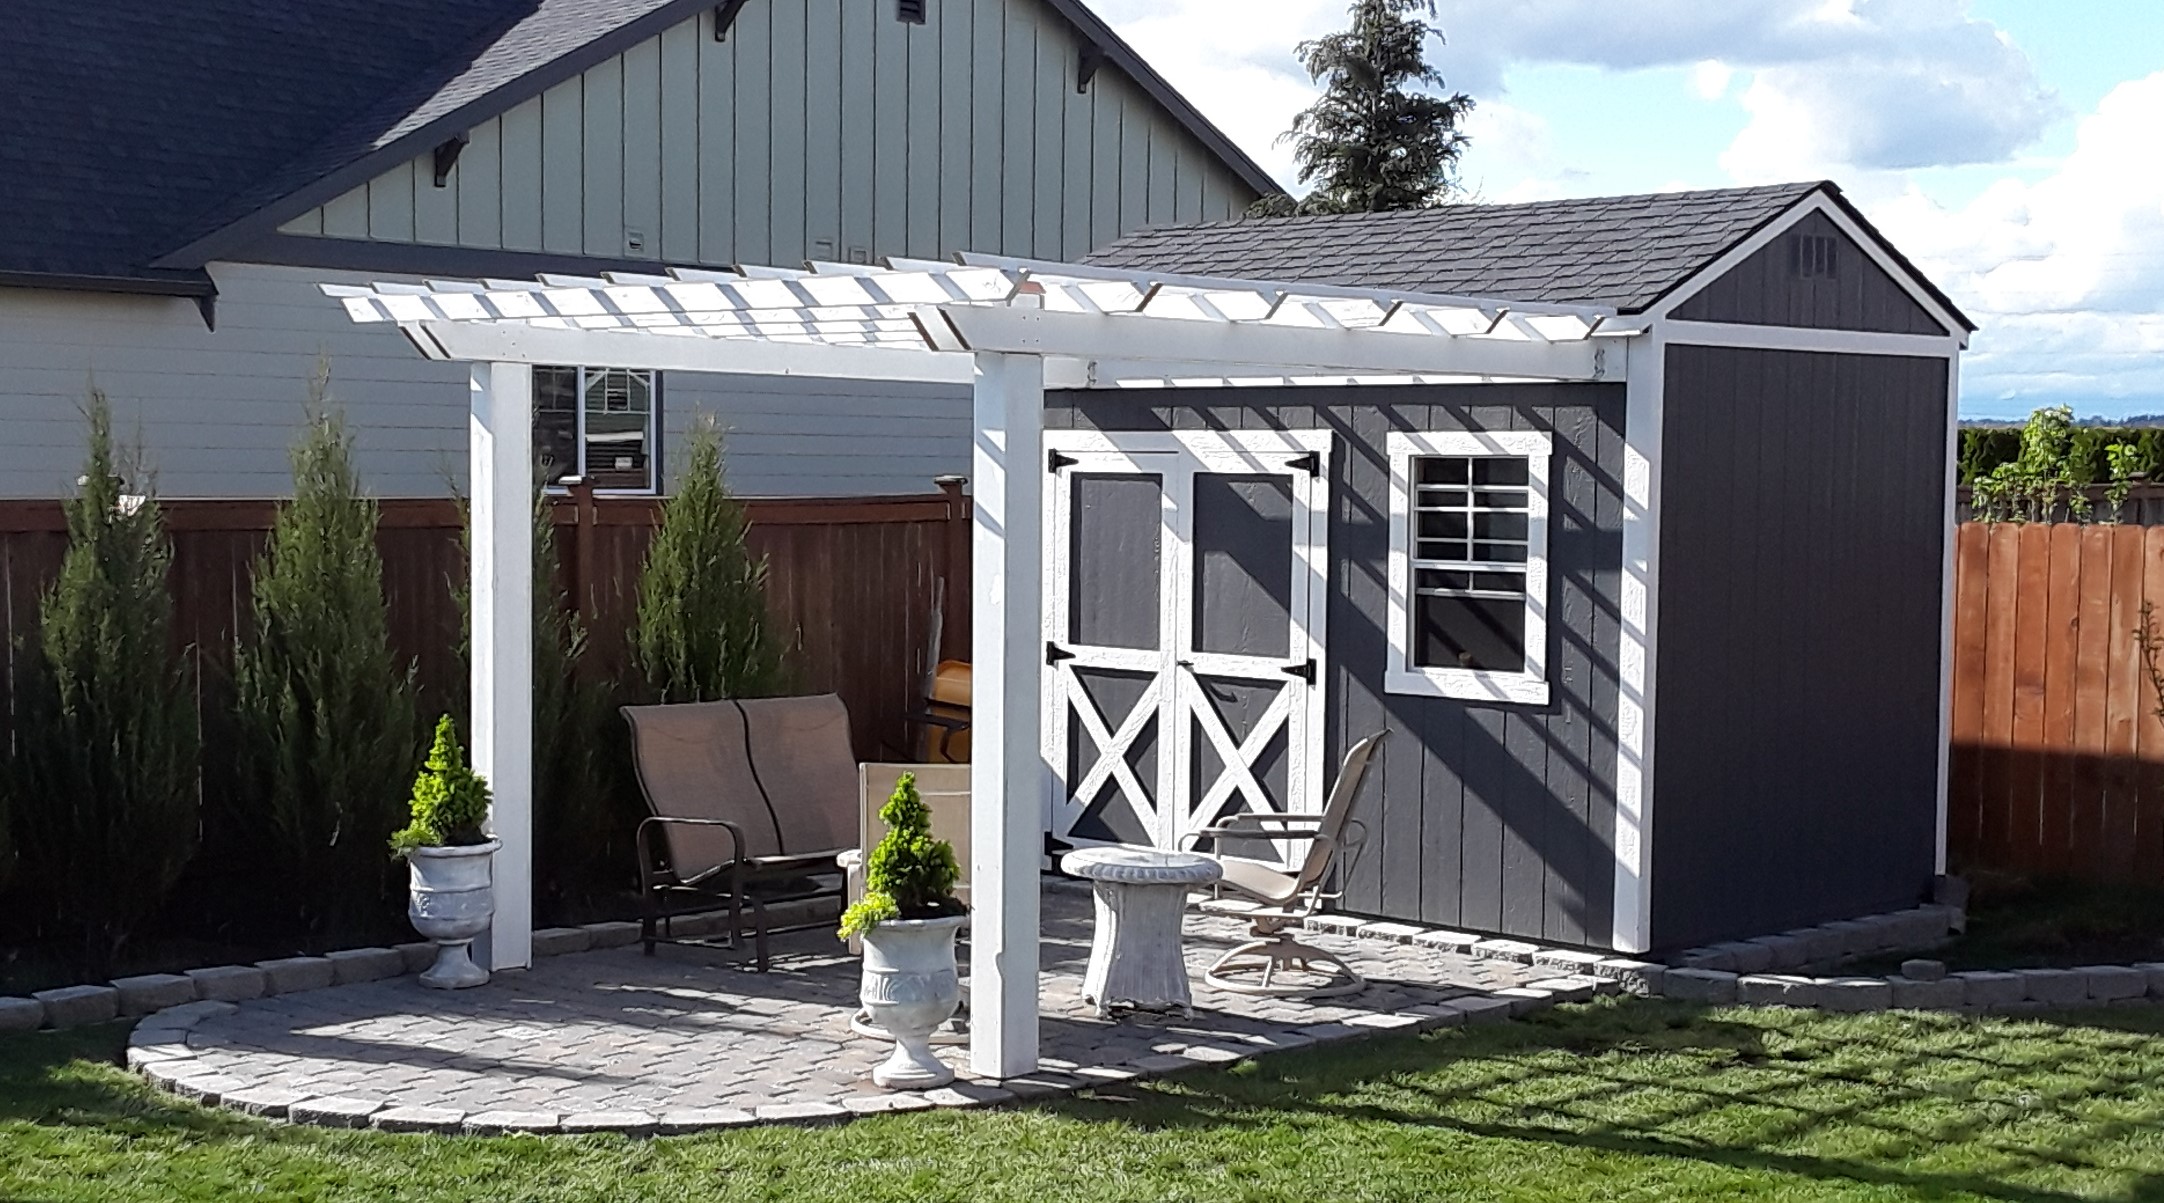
x,y
1802,531
1494,818
1767,290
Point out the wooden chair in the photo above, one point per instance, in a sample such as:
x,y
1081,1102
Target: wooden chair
x,y
1277,901
752,803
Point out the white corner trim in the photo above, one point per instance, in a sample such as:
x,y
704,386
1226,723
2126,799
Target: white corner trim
x,y
1817,202
1400,674
1796,338
1643,403
1946,609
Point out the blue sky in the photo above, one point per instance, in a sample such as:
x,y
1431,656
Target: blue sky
x,y
2015,148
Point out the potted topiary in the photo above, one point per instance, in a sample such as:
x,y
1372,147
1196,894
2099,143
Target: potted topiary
x,y
907,919
448,853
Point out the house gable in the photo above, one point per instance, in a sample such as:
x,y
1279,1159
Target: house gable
x,y
814,130
1811,274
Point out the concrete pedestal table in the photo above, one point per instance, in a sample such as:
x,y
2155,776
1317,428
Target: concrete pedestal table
x,y
1136,958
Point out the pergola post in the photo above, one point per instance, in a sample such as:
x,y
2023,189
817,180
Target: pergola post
x,y
500,450
1007,781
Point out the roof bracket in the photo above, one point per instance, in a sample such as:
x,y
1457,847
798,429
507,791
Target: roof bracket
x,y
725,16
207,305
447,152
1093,57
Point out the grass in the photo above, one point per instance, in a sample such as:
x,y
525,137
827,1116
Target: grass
x,y
1636,1100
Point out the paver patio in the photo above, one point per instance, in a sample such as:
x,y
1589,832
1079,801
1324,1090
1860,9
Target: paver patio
x,y
691,1038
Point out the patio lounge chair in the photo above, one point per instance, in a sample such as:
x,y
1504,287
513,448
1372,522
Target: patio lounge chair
x,y
1277,901
752,803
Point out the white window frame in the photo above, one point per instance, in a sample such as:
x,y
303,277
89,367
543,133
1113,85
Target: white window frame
x,y
1400,674
578,444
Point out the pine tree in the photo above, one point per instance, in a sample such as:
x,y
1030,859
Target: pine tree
x,y
103,774
324,708
1373,143
701,629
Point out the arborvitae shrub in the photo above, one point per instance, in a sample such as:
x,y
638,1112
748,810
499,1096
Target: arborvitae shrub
x,y
701,632
449,802
324,709
103,772
910,874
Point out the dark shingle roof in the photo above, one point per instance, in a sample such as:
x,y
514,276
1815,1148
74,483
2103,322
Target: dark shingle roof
x,y
133,127
1623,251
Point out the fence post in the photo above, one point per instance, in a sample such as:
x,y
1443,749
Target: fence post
x,y
581,558
954,572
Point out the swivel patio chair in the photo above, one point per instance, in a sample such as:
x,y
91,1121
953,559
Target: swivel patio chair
x,y
753,801
1277,901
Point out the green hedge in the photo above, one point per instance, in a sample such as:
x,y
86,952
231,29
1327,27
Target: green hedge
x,y
1984,448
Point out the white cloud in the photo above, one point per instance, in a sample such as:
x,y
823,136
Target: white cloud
x,y
1710,78
2066,274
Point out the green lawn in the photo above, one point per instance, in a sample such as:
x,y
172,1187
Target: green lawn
x,y
1632,1101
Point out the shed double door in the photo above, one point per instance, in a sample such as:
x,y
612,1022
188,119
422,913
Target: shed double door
x,y
1187,590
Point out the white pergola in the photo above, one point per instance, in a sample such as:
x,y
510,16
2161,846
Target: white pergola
x,y
1010,328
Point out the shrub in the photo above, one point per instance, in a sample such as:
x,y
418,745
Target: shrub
x,y
701,629
582,813
909,875
324,710
450,801
103,773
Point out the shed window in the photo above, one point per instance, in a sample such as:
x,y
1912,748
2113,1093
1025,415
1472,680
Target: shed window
x,y
601,424
1468,565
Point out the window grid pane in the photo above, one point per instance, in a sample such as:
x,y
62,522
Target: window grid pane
x,y
1471,540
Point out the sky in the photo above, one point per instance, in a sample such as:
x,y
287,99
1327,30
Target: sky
x,y
2013,148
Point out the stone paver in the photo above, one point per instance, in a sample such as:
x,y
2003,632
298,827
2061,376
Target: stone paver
x,y
74,1006
691,1039
153,992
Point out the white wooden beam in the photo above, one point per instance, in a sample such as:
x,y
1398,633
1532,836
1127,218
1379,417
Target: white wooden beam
x,y
1643,404
1254,345
1796,338
500,447
1007,782
508,342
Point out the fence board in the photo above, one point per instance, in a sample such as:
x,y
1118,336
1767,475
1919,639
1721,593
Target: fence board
x,y
2058,750
851,582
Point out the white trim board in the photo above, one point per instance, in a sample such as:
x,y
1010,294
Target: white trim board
x,y
1528,686
1946,608
1817,202
1632,928
1796,338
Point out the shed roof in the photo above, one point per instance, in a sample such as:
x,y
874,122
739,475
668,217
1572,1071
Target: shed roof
x,y
1620,251
146,137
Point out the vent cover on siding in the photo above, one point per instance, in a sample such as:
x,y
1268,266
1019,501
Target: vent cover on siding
x,y
1812,256
911,11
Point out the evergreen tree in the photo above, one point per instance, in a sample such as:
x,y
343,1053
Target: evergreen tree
x,y
583,814
325,711
103,772
701,629
1372,143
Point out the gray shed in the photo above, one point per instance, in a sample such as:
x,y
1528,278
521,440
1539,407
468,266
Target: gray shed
x,y
1664,660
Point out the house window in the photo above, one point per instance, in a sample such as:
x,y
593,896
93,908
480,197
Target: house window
x,y
1469,565
601,424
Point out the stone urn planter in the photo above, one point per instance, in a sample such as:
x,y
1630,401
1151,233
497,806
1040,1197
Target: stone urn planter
x,y
909,988
452,901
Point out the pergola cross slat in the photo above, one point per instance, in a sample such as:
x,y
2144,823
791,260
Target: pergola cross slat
x,y
1008,328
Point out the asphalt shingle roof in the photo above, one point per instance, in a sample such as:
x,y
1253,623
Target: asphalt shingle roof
x,y
133,127
1623,251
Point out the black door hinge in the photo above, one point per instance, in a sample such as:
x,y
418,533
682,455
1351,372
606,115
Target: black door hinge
x,y
1054,653
1056,460
1311,463
1305,670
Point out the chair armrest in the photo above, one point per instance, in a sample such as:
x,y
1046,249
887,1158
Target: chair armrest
x,y
1250,825
650,822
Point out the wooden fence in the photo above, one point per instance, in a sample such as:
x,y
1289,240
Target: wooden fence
x,y
852,583
2058,751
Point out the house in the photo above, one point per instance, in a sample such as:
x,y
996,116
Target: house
x,y
184,176
1735,550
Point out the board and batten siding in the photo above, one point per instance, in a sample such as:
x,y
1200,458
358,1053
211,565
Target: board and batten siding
x,y
1497,818
216,412
1771,288
1803,524
819,129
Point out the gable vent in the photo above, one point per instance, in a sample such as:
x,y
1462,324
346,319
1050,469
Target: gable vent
x,y
910,11
1812,256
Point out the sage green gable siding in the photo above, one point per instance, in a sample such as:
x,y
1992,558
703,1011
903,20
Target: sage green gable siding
x,y
819,129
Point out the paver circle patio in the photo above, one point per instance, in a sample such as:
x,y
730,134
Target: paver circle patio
x,y
691,1038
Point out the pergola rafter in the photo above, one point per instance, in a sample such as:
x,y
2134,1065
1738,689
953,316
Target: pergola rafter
x,y
1009,328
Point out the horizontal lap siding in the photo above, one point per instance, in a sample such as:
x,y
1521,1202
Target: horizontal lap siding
x,y
216,411
1802,530
1495,818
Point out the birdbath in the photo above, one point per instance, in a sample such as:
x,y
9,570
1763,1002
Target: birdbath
x,y
1136,958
